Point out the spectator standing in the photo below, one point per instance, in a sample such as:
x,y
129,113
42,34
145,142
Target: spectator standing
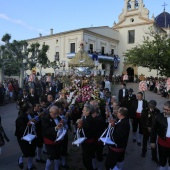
x,y
122,93
107,84
11,90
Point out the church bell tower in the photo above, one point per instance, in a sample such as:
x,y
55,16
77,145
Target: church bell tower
x,y
135,8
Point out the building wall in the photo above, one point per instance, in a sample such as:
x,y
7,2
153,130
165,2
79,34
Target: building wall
x,y
140,32
138,20
98,42
116,38
105,31
61,43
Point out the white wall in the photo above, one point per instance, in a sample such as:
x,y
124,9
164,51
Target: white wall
x,y
98,42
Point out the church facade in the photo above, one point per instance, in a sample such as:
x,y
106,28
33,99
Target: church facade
x,y
109,43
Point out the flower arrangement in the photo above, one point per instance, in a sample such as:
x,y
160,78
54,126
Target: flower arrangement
x,y
84,94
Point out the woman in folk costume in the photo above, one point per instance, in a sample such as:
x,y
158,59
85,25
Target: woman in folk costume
x,y
28,149
160,133
31,79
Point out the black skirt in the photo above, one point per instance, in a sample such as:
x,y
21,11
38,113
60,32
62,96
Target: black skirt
x,y
27,149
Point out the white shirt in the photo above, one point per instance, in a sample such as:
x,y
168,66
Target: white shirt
x,y
123,92
168,129
101,95
107,85
140,106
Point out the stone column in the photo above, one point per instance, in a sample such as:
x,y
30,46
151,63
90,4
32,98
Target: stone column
x,y
132,4
107,69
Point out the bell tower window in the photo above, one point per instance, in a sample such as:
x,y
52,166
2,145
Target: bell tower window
x,y
136,4
131,36
129,5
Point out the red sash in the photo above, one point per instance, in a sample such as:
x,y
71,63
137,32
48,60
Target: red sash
x,y
89,141
164,142
50,142
116,149
98,142
138,115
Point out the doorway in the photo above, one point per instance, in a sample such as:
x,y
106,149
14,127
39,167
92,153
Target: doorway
x,y
130,72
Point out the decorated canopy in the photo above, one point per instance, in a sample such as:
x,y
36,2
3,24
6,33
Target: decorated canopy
x,y
81,59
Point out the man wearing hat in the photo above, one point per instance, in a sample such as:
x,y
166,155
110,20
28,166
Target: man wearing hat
x,y
148,116
128,100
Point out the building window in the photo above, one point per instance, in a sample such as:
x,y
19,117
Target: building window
x,y
91,47
129,5
102,50
131,36
136,4
72,48
57,56
132,19
112,51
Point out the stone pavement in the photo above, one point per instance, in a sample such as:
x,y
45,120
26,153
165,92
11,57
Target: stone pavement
x,y
11,150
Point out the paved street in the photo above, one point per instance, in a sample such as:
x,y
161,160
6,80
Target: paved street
x,y
11,151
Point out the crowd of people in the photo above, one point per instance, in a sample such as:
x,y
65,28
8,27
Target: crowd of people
x,y
50,107
148,124
159,86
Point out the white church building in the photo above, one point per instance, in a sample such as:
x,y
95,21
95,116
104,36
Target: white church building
x,y
110,43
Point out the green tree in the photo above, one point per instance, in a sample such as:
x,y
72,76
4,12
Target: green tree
x,y
16,54
41,56
154,53
19,51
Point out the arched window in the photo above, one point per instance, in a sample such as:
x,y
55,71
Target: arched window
x,y
136,4
129,5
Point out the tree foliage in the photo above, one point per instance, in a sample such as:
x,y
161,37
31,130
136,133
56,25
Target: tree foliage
x,y
154,53
6,38
17,51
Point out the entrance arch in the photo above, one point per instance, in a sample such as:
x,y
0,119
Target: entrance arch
x,y
130,72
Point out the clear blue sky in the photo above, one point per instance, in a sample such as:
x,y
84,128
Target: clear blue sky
x,y
25,19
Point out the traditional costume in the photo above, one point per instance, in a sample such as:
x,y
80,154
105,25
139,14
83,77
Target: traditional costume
x,y
161,129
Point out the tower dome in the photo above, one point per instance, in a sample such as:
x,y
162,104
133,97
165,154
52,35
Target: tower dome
x,y
163,20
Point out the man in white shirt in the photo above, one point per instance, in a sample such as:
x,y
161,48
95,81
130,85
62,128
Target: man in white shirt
x,y
107,84
135,115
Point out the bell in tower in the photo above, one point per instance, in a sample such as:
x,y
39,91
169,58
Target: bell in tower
x,y
129,5
136,4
